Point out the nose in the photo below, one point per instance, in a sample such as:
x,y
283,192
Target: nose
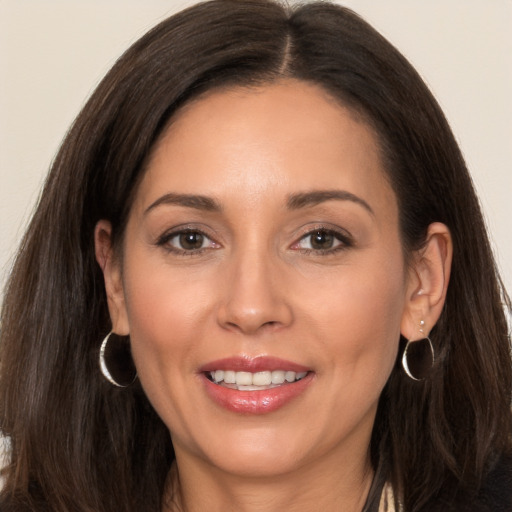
x,y
255,295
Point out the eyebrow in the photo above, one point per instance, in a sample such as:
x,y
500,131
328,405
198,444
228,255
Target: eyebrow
x,y
295,201
305,199
197,202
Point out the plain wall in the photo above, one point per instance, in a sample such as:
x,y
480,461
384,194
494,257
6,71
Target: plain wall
x,y
53,53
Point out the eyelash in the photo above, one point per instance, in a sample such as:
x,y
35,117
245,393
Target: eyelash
x,y
345,242
164,241
344,239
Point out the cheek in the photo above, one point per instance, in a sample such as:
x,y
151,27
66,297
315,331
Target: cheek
x,y
358,320
166,326
165,310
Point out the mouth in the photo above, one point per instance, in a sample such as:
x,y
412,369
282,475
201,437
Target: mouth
x,y
255,385
257,381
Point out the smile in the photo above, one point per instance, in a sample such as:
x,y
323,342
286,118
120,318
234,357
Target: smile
x,y
255,385
257,381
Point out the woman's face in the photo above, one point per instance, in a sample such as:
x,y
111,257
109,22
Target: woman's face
x,y
263,251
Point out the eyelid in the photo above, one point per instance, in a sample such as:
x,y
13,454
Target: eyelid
x,y
344,237
164,239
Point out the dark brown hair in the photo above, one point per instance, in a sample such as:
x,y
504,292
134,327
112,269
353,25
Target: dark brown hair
x,y
80,444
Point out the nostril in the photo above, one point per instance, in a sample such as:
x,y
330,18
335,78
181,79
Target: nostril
x,y
253,316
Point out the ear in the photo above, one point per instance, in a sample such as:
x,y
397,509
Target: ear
x,y
111,267
427,283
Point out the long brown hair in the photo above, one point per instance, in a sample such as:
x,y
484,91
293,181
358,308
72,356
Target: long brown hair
x,y
77,443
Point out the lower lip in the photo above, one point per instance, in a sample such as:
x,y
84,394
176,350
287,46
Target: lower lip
x,y
256,402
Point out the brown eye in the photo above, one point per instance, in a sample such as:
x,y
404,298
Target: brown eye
x,y
187,241
321,240
191,240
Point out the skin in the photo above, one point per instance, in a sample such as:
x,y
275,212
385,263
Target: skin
x,y
256,288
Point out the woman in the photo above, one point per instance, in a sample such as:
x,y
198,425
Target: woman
x,y
249,231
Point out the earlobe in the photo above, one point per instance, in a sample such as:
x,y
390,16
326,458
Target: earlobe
x,y
112,276
428,282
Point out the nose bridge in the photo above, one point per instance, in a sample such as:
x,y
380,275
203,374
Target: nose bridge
x,y
255,297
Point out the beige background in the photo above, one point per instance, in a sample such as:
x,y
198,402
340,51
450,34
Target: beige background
x,y
53,53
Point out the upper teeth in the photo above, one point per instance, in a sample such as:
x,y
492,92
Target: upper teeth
x,y
255,379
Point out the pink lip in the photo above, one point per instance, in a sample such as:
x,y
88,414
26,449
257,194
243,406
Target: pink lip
x,y
255,402
253,364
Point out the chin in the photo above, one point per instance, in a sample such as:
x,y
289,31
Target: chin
x,y
252,452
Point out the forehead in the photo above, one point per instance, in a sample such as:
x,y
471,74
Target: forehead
x,y
279,137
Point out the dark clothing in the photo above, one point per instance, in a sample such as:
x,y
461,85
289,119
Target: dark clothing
x,y
494,496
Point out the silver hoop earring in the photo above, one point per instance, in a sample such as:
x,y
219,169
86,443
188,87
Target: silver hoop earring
x,y
116,363
418,358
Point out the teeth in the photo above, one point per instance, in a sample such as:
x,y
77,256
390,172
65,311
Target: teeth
x,y
278,377
289,376
229,377
252,381
243,379
262,379
253,388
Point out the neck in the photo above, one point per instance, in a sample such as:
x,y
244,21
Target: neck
x,y
198,487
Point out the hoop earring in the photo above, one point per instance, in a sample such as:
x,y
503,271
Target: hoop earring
x,y
418,358
116,363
